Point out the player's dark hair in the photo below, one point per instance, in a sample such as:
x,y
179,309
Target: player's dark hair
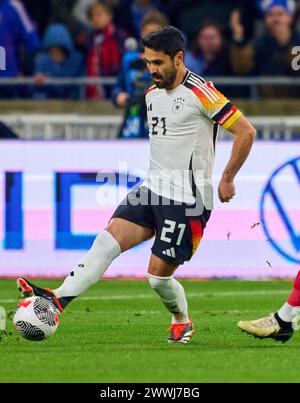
x,y
167,39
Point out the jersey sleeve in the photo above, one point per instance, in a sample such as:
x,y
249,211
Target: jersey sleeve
x,y
213,104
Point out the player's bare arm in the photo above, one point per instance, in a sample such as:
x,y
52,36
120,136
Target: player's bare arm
x,y
244,135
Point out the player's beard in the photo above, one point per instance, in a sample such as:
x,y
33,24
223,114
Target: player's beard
x,y
168,80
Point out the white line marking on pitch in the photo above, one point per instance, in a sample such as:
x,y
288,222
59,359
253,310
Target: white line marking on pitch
x,y
189,295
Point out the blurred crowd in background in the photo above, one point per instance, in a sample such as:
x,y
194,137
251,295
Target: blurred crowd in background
x,y
88,38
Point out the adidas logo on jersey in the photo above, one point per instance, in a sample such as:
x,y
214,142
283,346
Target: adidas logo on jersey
x,y
149,109
169,252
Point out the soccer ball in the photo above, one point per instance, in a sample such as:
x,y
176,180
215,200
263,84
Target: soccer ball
x,y
36,319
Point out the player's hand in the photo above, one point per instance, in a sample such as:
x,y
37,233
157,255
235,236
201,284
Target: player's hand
x,y
226,190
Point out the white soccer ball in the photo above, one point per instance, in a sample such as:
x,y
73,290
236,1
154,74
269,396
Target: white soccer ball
x,y
36,318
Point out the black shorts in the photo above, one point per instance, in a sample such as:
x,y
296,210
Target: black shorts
x,y
177,233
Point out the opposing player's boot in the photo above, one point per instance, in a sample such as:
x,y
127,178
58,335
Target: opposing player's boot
x,y
268,327
181,333
28,289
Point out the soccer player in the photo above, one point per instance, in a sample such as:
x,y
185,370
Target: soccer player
x,y
174,203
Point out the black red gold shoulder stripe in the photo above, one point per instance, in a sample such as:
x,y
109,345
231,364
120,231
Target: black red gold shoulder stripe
x,y
218,117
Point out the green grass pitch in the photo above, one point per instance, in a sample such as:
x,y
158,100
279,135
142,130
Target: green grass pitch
x,y
116,333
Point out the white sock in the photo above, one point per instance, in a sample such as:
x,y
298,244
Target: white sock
x,y
172,296
92,267
286,312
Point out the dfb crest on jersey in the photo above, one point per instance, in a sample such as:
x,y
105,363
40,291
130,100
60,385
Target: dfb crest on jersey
x,y
178,105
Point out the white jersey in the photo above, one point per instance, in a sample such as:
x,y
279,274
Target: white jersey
x,y
183,129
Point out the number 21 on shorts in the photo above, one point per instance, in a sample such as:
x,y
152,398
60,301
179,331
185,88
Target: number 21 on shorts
x,y
169,229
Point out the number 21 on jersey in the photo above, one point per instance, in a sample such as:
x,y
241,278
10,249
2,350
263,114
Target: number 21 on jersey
x,y
158,126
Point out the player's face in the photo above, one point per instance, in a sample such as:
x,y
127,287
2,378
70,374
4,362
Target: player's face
x,y
162,68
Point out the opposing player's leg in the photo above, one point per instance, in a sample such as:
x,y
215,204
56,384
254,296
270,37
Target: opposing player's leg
x,y
172,295
119,236
279,326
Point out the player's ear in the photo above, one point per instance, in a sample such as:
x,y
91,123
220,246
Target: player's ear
x,y
178,59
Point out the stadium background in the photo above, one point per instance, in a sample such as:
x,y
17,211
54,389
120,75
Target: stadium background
x,y
60,127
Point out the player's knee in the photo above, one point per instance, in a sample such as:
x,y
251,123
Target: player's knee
x,y
106,244
120,228
115,230
158,283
